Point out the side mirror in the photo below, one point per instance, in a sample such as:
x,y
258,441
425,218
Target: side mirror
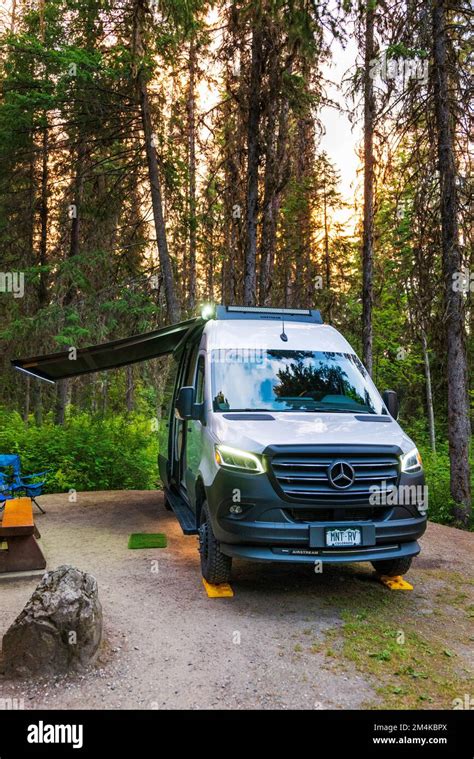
x,y
390,399
185,408
185,402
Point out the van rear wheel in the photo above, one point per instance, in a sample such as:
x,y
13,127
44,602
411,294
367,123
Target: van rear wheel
x,y
215,566
393,567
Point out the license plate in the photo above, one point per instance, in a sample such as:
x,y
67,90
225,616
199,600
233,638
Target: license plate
x,y
340,537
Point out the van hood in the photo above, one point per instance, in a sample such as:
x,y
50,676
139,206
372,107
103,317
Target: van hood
x,y
305,428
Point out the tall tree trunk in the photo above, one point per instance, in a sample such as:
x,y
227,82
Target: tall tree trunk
x,y
78,192
429,392
233,207
270,180
327,260
174,310
457,370
210,261
13,16
74,247
130,389
43,259
302,285
191,107
104,393
38,401
274,181
60,402
368,228
233,248
253,150
26,407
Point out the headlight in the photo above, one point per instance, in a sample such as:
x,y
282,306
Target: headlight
x,y
233,458
411,461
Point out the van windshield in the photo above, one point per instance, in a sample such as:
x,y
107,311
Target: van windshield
x,y
283,380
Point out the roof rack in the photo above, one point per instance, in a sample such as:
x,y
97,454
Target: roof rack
x,y
264,312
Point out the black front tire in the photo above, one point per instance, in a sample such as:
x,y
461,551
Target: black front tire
x,y
216,567
393,567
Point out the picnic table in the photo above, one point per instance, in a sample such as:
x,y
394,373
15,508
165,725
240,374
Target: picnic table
x,y
19,549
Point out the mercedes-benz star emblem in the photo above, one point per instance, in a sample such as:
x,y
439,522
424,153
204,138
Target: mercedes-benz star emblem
x,y
341,475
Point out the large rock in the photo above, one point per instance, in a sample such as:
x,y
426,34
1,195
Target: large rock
x,y
59,629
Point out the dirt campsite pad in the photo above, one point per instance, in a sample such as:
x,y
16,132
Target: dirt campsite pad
x,y
289,638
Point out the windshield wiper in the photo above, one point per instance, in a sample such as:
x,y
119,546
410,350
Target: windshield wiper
x,y
315,409
333,410
253,410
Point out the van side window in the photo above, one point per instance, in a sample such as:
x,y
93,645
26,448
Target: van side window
x,y
200,380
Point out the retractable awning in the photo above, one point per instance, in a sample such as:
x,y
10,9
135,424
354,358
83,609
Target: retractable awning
x,y
130,350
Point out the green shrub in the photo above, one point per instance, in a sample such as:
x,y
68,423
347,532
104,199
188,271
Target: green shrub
x,y
436,466
120,452
87,453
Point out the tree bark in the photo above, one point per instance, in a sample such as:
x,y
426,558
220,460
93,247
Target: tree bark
x,y
26,407
74,237
302,285
104,393
368,223
458,407
60,402
253,150
232,202
130,391
43,259
174,310
429,392
327,260
74,247
191,107
13,16
38,402
274,181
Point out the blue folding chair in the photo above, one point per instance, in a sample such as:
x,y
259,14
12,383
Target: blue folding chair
x,y
11,463
4,488
17,484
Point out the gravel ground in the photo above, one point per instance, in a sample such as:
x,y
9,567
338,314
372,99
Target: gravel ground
x,y
167,645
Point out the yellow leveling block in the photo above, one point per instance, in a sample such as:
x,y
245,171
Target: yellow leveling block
x,y
395,583
218,591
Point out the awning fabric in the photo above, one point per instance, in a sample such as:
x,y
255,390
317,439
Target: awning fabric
x,y
130,350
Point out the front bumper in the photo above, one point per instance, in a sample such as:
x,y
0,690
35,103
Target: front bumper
x,y
310,556
267,530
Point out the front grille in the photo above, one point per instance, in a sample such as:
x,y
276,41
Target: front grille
x,y
361,514
304,476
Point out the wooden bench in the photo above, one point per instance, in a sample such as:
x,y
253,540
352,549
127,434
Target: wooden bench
x,y
19,550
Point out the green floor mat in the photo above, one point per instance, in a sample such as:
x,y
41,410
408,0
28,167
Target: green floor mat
x,y
147,540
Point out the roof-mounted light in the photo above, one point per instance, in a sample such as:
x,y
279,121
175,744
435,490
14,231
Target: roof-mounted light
x,y
208,311
268,310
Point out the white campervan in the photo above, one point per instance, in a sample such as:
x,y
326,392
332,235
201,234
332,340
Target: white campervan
x,y
275,444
